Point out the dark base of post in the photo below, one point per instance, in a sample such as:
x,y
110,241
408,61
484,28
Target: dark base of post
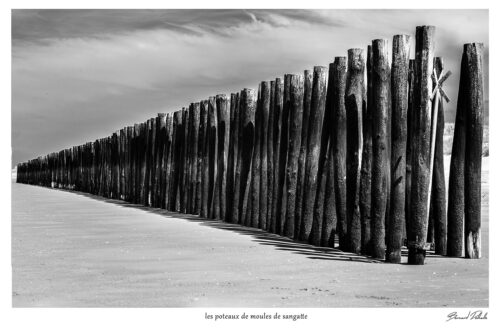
x,y
393,257
416,256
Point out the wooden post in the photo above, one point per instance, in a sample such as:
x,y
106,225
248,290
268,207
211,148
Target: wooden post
x,y
168,158
211,152
354,104
176,160
183,160
409,144
232,157
264,128
399,93
295,130
283,151
270,155
437,215
308,82
319,204
256,165
456,181
318,101
278,115
247,113
473,148
365,191
340,142
222,148
203,158
195,127
421,133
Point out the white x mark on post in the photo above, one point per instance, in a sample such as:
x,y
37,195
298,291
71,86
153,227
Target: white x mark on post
x,y
436,98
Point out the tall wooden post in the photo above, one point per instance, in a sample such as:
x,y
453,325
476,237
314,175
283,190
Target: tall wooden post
x,y
232,157
421,135
354,104
256,166
456,180
340,143
278,115
308,82
399,93
168,158
247,116
365,191
295,129
437,215
264,174
283,152
203,159
222,149
474,102
319,203
211,151
409,144
318,101
270,154
194,203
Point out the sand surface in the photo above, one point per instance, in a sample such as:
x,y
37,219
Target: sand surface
x,y
76,250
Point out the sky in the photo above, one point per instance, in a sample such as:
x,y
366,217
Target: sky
x,y
79,75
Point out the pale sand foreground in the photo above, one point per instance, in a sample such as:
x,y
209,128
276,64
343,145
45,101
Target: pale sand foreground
x,y
75,250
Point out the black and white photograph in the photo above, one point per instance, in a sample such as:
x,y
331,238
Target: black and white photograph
x,y
250,165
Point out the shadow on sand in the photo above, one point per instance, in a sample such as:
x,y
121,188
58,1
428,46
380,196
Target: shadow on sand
x,y
260,236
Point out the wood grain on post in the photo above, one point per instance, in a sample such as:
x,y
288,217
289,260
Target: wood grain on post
x,y
354,104
247,116
456,182
318,101
278,115
183,161
256,166
194,202
270,154
211,151
409,143
308,82
399,93
203,159
264,114
340,142
474,102
232,157
319,203
283,151
330,214
222,157
188,192
437,215
168,158
295,129
365,191
421,136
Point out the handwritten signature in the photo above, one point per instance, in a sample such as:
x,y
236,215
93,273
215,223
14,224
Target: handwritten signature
x,y
472,315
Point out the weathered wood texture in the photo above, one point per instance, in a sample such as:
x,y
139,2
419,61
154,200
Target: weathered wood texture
x,y
365,187
318,101
399,93
421,135
474,122
340,133
308,82
294,132
354,104
437,214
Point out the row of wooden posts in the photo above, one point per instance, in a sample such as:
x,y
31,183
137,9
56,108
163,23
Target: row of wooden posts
x,y
317,157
